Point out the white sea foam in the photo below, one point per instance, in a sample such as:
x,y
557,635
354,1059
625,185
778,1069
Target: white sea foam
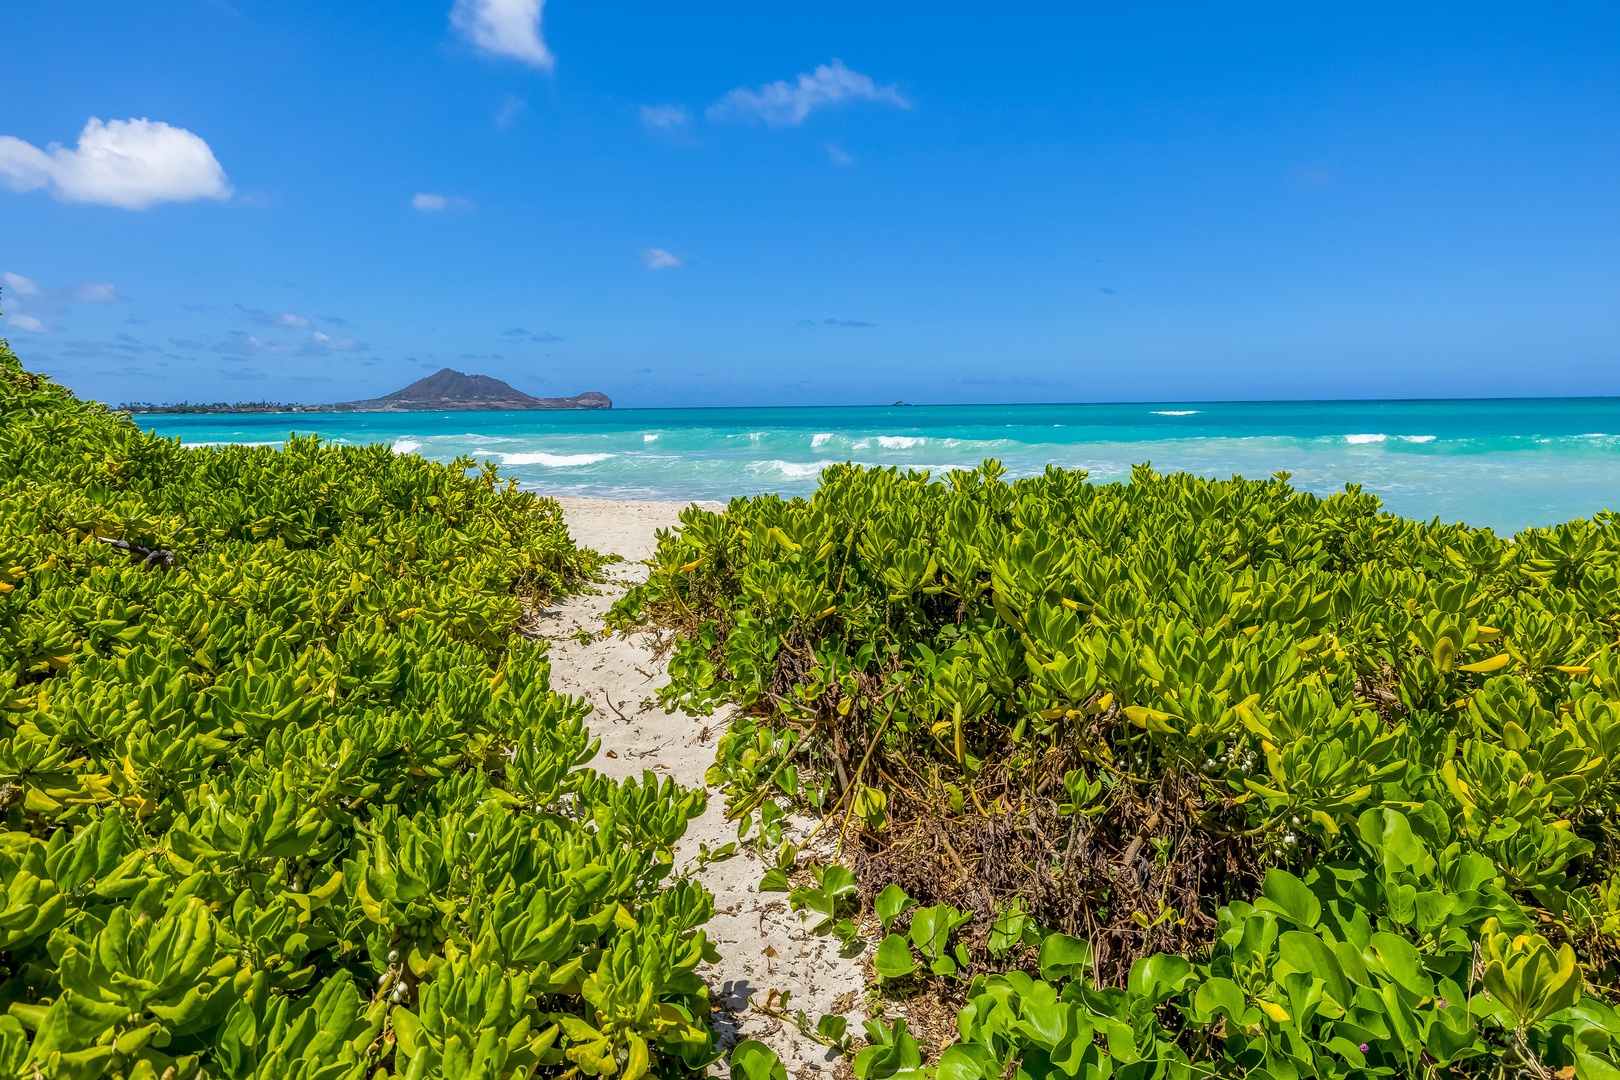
x,y
790,470
898,442
1356,440
1171,412
651,436
1417,438
553,461
820,440
406,446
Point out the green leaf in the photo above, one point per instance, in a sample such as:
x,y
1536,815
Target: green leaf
x,y
894,960
1158,977
753,1060
838,882
962,1061
1400,961
1313,956
1221,997
1064,957
832,1027
1591,1067
1285,895
891,902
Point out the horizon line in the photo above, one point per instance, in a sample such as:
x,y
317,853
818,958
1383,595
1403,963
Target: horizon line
x,y
295,407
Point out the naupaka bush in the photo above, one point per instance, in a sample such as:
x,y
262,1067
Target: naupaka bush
x,y
285,796
1122,710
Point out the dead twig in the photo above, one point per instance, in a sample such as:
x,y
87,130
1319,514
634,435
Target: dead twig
x,y
150,556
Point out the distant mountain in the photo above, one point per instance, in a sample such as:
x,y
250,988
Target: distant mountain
x,y
452,391
443,391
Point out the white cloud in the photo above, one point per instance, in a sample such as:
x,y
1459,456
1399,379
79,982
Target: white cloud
x,y
35,299
242,346
838,155
286,319
658,259
20,285
97,292
425,202
510,110
336,344
781,104
508,28
665,117
125,163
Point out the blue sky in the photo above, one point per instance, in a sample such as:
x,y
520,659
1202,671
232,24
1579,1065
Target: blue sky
x,y
743,203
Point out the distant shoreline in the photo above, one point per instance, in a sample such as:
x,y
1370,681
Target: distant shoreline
x,y
274,408
447,390
141,408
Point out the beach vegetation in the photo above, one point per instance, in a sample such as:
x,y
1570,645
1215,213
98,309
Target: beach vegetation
x,y
286,790
1180,777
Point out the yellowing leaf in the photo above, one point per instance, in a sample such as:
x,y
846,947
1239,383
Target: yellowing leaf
x,y
1275,1012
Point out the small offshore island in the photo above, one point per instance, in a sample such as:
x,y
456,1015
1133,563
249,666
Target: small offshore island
x,y
445,390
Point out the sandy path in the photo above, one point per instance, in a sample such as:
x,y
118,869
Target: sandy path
x,y
762,944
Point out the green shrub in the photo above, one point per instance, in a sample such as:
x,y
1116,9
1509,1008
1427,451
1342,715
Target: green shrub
x,y
1191,723
284,793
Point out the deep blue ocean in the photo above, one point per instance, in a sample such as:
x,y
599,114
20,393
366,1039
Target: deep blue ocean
x,y
1506,464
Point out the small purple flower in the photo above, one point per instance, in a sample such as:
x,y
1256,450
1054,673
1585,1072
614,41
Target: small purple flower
x,y
1364,1048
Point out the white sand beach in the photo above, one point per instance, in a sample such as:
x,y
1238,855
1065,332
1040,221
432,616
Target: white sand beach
x,y
763,945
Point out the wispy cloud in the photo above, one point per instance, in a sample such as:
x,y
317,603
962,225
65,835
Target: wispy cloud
x,y
429,203
507,28
285,319
518,333
512,108
99,292
849,324
19,285
659,259
784,104
244,346
665,118
131,164
838,155
28,299
325,343
1312,176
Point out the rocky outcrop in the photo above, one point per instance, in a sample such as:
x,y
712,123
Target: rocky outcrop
x,y
453,391
444,390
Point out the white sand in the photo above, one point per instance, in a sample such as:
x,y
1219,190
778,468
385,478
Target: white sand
x,y
762,944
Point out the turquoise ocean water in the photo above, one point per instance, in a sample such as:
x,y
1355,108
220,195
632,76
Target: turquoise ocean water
x,y
1507,464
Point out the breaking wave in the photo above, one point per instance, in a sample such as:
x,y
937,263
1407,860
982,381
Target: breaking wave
x,y
552,461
